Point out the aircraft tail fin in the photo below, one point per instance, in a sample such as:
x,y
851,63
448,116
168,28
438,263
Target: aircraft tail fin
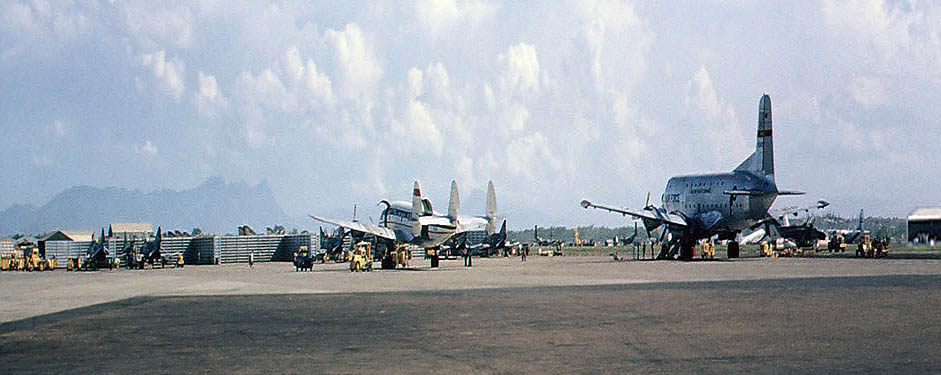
x,y
762,160
491,209
454,203
859,224
417,207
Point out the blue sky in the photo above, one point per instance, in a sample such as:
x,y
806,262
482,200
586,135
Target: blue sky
x,y
335,103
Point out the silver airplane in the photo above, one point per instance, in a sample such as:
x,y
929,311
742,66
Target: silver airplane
x,y
701,206
419,224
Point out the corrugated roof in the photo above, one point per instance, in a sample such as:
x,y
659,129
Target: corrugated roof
x,y
131,228
929,213
66,235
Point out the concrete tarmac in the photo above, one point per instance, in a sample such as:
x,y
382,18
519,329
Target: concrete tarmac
x,y
556,315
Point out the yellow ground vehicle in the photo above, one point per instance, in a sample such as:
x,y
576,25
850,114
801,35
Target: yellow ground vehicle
x,y
5,263
14,262
361,257
74,264
865,249
37,263
836,244
179,260
302,259
708,250
880,247
396,257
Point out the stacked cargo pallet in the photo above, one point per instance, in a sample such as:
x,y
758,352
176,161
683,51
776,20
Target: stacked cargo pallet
x,y
200,250
62,250
267,248
6,247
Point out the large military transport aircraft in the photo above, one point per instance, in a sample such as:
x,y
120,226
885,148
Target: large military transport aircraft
x,y
419,224
700,206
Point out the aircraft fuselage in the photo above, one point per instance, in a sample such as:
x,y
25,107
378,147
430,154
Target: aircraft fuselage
x,y
700,197
400,218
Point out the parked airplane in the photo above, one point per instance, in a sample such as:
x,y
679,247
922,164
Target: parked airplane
x,y
332,244
853,235
700,206
538,241
417,223
803,235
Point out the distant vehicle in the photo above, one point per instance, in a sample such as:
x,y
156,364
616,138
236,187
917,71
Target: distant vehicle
x,y
853,235
303,261
701,206
418,224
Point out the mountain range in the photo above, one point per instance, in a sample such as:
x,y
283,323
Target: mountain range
x,y
215,206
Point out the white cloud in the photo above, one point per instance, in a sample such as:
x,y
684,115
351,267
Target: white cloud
x,y
904,35
530,153
716,120
146,148
267,89
702,94
441,16
436,14
515,117
309,84
869,92
168,74
208,98
156,23
521,68
63,21
357,67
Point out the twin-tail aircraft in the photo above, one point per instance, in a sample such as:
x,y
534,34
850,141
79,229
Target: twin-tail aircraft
x,y
417,222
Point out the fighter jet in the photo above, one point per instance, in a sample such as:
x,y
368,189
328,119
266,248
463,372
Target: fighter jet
x,y
150,252
539,241
332,244
701,206
419,224
803,235
853,235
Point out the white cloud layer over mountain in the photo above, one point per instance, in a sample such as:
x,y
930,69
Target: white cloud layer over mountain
x,y
342,103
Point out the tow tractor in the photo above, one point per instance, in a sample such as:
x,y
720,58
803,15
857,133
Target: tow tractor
x,y
869,248
302,259
361,257
397,257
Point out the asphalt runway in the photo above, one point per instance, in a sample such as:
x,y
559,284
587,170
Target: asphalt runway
x,y
882,323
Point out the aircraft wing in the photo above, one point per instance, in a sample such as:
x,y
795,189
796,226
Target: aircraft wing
x,y
651,215
360,227
776,215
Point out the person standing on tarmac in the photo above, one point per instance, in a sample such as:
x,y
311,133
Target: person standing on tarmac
x,y
523,254
467,258
251,259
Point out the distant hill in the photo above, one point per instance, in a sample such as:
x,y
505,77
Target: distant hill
x,y
214,206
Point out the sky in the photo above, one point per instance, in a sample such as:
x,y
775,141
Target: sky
x,y
341,103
